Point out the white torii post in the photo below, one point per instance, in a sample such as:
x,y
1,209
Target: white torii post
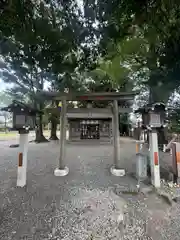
x,y
22,161
154,158
62,170
116,169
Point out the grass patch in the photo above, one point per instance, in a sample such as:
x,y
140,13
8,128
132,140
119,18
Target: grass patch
x,y
15,134
9,134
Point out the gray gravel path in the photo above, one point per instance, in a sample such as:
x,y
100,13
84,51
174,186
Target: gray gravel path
x,y
82,205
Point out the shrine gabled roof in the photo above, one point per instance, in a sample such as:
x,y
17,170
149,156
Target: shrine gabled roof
x,y
157,106
19,105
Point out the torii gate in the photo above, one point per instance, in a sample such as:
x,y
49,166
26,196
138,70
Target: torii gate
x,y
116,170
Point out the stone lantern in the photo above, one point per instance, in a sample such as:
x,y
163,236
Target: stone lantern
x,y
153,119
153,115
24,117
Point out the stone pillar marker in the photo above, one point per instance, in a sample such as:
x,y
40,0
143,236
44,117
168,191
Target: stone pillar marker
x,y
22,161
62,170
116,169
154,157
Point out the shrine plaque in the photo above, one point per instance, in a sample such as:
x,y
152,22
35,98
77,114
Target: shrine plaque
x,y
155,119
20,120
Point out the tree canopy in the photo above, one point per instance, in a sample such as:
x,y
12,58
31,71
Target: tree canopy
x,y
119,45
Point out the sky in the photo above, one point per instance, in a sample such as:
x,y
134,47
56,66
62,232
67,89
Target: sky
x,y
2,85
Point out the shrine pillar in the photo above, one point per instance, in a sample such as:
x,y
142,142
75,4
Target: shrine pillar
x,y
116,169
62,170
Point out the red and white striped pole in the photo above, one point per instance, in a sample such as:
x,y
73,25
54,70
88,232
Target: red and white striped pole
x,y
176,161
22,159
154,157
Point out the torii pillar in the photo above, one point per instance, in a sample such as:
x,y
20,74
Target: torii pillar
x,y
62,170
116,168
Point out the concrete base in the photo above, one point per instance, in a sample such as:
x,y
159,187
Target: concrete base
x,y
117,172
61,172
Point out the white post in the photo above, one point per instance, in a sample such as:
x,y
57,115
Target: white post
x,y
22,160
154,157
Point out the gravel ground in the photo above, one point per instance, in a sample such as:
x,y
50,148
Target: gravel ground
x,y
83,205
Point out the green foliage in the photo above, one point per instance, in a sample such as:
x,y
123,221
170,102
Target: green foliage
x,y
174,119
160,28
149,48
53,42
174,116
124,118
113,70
5,99
39,43
5,117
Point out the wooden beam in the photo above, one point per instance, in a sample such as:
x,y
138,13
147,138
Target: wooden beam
x,y
98,96
125,110
86,111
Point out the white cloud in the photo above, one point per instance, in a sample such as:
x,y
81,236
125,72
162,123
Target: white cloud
x,y
2,85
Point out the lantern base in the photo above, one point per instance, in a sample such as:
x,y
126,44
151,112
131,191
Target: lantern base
x,y
61,172
117,172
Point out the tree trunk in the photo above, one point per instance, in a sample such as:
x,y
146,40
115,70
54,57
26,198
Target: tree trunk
x,y
53,130
39,131
5,124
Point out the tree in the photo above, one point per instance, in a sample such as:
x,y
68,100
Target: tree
x,y
161,30
144,45
32,51
126,33
25,86
54,119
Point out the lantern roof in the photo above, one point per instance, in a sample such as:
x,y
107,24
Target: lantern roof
x,y
22,106
155,107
